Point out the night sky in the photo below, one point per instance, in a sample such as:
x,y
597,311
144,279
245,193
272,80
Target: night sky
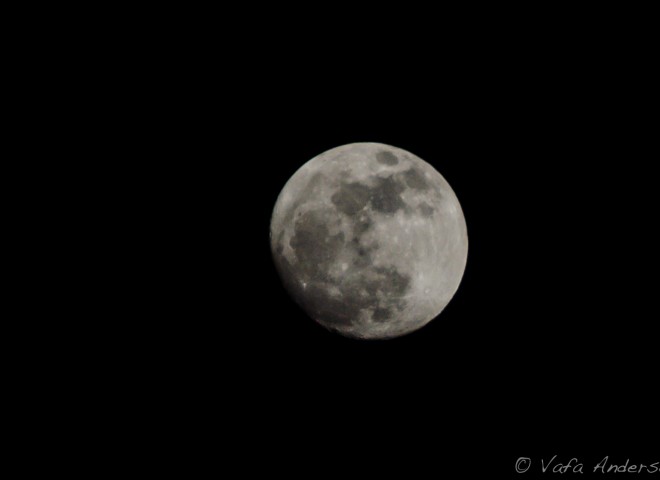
x,y
547,341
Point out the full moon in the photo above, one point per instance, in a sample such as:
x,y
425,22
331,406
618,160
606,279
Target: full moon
x,y
370,240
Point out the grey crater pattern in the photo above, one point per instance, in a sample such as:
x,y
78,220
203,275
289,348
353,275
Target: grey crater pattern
x,y
369,240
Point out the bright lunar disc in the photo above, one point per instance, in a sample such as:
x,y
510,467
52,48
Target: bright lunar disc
x,y
370,240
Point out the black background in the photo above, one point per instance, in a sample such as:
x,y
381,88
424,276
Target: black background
x,y
546,347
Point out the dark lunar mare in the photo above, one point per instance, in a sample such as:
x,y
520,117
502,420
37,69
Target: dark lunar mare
x,y
414,179
341,310
386,158
425,209
386,195
316,251
351,197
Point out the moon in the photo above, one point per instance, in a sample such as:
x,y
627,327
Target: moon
x,y
370,240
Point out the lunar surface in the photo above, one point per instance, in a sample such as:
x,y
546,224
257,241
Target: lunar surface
x,y
369,240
